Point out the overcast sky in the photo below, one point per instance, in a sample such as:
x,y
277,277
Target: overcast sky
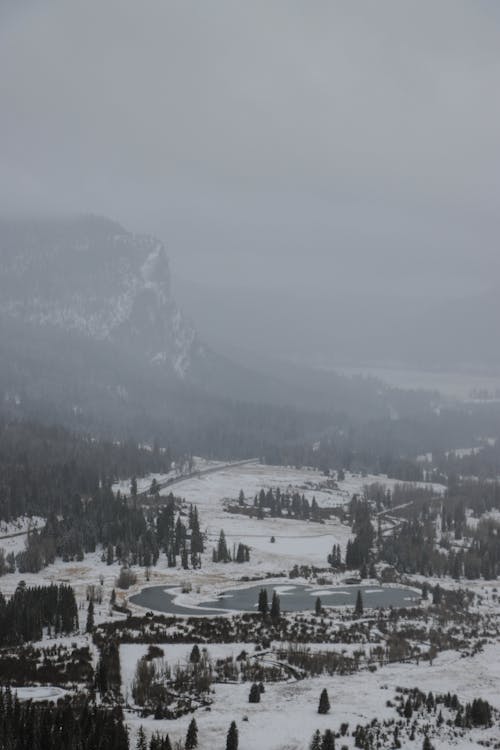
x,y
315,144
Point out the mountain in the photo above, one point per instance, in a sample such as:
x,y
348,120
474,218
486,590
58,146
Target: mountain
x,y
90,277
91,337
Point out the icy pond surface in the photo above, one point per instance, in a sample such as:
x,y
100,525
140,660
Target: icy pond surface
x,y
293,598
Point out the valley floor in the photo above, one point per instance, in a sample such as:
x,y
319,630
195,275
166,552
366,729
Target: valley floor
x,y
286,717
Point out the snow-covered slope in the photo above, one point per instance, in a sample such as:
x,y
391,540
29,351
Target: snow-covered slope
x,y
91,277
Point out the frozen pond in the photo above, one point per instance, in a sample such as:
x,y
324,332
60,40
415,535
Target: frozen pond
x,y
293,598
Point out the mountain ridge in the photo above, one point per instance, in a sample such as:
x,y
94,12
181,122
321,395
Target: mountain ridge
x,y
93,277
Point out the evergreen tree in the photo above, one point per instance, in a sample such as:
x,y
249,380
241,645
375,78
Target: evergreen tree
x,y
317,606
133,487
358,609
232,737
480,712
222,550
90,618
197,546
101,677
275,607
242,554
316,741
408,710
437,594
263,604
192,736
324,702
141,743
109,554
195,655
328,741
254,696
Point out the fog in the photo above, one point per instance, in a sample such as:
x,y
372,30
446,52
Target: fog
x,y
325,175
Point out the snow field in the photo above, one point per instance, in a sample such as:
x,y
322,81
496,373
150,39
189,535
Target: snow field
x,y
286,717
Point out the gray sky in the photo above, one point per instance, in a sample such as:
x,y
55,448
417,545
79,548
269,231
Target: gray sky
x,y
302,146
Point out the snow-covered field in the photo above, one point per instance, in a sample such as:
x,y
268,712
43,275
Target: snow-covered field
x,y
286,717
209,490
296,542
13,534
176,472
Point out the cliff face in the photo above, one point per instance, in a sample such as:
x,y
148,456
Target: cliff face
x,y
91,277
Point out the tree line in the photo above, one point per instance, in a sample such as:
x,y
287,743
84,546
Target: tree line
x,y
70,725
29,610
46,470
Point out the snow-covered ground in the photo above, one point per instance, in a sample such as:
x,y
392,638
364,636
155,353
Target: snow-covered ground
x,y
13,534
176,472
286,717
355,698
296,542
227,483
42,693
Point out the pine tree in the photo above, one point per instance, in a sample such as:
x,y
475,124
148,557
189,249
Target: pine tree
x,y
101,676
133,487
275,607
316,741
437,594
254,696
192,736
195,655
197,546
242,554
263,605
90,618
328,741
317,607
222,550
408,711
141,743
324,702
232,737
358,609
